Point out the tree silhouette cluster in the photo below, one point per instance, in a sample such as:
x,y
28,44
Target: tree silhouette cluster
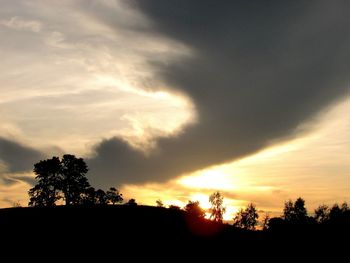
x,y
295,214
247,218
337,214
66,179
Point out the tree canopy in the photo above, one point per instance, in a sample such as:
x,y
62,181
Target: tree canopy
x,y
295,212
73,179
47,191
247,218
66,179
113,196
194,209
217,209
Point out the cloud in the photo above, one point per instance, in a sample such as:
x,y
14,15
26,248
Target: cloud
x,y
14,193
19,23
16,157
258,72
27,179
237,77
79,80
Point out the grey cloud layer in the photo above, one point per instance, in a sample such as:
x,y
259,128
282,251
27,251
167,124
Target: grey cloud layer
x,y
260,69
18,158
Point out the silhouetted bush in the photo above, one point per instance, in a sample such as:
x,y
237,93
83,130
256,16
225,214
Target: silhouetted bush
x,y
193,208
131,202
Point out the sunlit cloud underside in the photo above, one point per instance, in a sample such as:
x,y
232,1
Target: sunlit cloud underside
x,y
315,165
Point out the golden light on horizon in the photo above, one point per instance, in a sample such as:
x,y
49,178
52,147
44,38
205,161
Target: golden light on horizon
x,y
270,177
212,178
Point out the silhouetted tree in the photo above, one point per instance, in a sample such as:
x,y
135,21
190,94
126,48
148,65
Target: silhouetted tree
x,y
174,207
300,210
159,203
131,202
247,218
55,176
89,197
339,214
113,196
322,214
335,213
46,191
288,211
194,209
217,209
74,182
101,197
265,221
295,212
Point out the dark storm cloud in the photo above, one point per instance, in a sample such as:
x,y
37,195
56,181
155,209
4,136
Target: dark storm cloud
x,y
259,70
18,158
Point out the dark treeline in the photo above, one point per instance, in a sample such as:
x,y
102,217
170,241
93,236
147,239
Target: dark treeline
x,y
65,180
295,215
96,221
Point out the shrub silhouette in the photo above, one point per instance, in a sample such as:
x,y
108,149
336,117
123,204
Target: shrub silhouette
x,y
159,203
131,202
194,209
174,207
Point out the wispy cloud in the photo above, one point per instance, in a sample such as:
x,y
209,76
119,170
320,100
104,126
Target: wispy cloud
x,y
19,23
81,80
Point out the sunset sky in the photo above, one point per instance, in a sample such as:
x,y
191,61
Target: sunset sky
x,y
174,100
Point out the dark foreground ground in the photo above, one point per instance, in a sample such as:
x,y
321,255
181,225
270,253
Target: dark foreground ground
x,y
143,232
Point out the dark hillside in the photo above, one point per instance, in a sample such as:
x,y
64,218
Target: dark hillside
x,y
137,226
120,229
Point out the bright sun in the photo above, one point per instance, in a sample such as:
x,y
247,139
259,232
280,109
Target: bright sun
x,y
231,209
209,179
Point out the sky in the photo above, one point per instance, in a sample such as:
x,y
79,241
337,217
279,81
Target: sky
x,y
175,100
